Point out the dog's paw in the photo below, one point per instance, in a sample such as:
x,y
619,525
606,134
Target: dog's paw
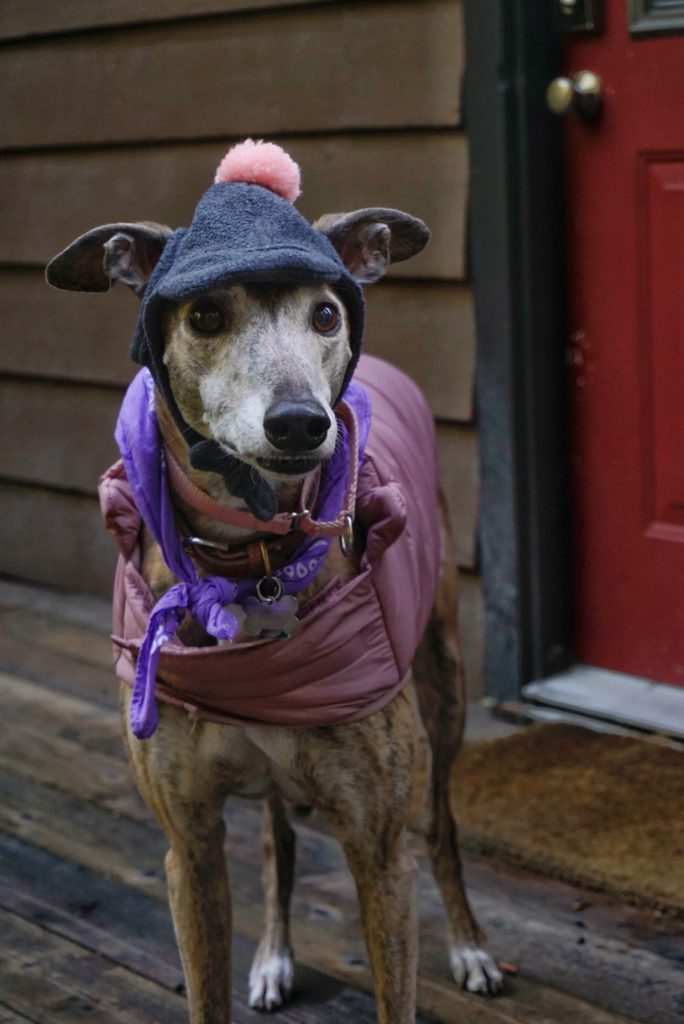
x,y
270,980
474,969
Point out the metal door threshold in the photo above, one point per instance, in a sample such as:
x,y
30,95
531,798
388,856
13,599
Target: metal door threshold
x,y
597,693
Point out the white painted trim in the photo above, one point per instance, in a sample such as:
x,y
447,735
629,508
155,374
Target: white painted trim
x,y
614,697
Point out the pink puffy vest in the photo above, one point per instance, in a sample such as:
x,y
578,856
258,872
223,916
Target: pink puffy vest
x,y
356,641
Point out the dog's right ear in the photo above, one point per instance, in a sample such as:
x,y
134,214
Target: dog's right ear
x,y
110,253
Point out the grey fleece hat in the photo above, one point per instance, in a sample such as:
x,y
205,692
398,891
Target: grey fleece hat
x,y
240,233
245,229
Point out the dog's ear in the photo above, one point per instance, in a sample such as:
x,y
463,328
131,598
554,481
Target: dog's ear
x,y
110,253
369,240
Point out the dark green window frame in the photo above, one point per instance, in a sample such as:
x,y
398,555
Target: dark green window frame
x,y
655,16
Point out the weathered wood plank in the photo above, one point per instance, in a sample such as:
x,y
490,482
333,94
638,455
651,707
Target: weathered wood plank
x,y
383,65
55,538
531,922
325,906
103,903
93,648
23,18
62,823
48,758
426,329
79,719
335,954
61,673
81,645
47,199
60,609
9,1016
136,931
48,978
134,852
73,924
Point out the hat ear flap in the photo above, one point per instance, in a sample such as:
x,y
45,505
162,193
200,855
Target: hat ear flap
x,y
367,241
107,254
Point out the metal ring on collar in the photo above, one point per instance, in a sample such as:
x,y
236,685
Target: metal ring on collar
x,y
269,589
347,537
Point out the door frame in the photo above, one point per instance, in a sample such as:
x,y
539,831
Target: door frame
x,y
522,395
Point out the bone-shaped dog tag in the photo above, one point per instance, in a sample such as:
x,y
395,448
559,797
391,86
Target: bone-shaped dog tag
x,y
273,620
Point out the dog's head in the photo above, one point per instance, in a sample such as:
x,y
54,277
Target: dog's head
x,y
249,347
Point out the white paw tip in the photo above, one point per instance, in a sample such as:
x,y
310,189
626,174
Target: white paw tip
x,y
474,969
270,981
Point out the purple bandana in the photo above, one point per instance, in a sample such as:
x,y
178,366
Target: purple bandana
x,y
208,599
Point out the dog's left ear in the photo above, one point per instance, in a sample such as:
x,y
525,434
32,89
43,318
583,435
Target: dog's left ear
x,y
110,253
369,240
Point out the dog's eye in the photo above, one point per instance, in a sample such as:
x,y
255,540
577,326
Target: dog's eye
x,y
207,317
326,318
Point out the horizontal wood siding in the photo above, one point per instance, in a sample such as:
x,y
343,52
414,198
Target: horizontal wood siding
x,y
66,431
67,441
22,18
65,335
120,112
427,330
47,200
335,67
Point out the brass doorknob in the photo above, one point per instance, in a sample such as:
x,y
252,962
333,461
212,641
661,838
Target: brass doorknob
x,y
581,95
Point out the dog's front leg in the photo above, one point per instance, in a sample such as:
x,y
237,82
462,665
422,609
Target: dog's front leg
x,y
360,776
200,903
181,791
387,888
271,975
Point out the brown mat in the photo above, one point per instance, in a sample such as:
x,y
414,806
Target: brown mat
x,y
601,811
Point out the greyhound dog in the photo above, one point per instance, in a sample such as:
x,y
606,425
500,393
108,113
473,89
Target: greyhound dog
x,y
255,363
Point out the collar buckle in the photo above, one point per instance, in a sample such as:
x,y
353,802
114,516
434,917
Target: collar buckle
x,y
295,517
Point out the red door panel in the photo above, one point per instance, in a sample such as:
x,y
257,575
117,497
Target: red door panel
x,y
625,212
660,268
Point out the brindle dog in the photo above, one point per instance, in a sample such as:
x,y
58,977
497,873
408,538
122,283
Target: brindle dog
x,y
370,780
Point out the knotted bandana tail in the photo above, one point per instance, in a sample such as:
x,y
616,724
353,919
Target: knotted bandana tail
x,y
206,601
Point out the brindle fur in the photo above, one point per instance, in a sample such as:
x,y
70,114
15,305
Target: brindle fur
x,y
369,780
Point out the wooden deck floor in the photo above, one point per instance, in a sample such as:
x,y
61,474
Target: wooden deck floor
x,y
85,934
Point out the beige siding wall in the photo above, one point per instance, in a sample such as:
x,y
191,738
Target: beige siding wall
x,y
110,115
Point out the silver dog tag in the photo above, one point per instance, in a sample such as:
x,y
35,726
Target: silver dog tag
x,y
274,620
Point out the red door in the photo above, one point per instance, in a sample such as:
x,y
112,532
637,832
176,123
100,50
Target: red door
x,y
625,213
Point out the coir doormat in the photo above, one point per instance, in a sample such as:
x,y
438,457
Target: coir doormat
x,y
598,810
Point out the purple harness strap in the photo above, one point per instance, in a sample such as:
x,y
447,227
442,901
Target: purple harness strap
x,y
208,600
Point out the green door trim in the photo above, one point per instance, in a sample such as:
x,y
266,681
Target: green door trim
x,y
516,250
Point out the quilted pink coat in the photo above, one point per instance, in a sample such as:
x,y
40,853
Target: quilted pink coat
x,y
357,640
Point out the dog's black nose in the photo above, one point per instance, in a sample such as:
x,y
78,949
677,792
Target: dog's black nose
x,y
296,426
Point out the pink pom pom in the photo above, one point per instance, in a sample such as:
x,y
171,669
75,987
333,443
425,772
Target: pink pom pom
x,y
261,163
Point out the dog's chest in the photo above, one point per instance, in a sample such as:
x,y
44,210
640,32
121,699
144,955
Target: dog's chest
x,y
247,767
